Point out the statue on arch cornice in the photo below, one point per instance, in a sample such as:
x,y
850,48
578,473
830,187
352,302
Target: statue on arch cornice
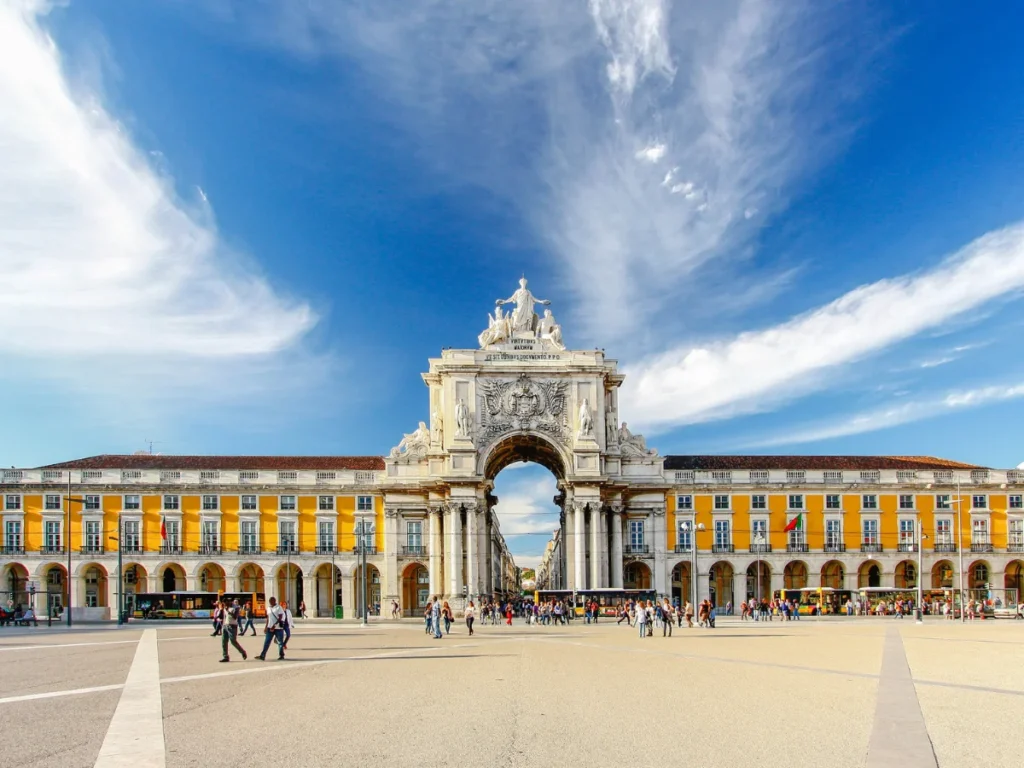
x,y
631,445
522,323
413,445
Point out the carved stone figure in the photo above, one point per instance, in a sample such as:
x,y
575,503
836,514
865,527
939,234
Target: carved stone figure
x,y
437,428
462,423
523,318
633,445
612,436
413,444
586,420
498,329
550,330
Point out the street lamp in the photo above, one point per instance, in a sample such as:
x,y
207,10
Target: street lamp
x,y
692,527
759,547
67,542
120,573
921,536
361,540
960,544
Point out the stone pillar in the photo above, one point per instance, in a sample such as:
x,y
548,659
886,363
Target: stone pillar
x,y
660,535
616,559
348,597
453,524
596,549
472,550
390,588
435,550
579,543
309,595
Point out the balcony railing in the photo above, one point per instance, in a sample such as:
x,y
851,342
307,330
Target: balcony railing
x,y
92,549
131,549
760,549
250,549
50,549
716,548
906,546
945,546
867,546
683,549
414,550
287,549
637,549
834,547
796,548
327,549
981,546
1015,546
170,549
209,549
368,549
12,549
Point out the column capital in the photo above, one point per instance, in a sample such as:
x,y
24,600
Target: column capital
x,y
435,509
390,512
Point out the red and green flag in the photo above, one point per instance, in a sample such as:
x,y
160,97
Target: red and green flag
x,y
796,524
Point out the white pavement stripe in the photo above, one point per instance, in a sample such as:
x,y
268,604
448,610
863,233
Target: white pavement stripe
x,y
899,735
55,694
136,733
44,646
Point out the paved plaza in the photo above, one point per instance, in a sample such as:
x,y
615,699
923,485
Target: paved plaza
x,y
841,692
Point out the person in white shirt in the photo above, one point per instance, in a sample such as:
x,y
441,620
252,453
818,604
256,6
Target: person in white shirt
x,y
641,618
274,630
287,624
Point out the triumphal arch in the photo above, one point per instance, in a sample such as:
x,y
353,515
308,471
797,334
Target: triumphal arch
x,y
522,396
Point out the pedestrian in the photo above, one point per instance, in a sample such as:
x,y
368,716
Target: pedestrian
x,y
229,632
470,615
435,617
286,625
446,616
641,618
218,619
394,609
508,614
666,618
248,615
273,631
302,609
426,615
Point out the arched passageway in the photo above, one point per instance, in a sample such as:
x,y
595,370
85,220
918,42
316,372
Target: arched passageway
x,y
682,588
328,590
94,585
720,584
637,576
372,591
289,586
15,585
794,576
869,574
415,589
172,578
55,584
833,575
251,578
1013,579
212,579
759,581
906,574
942,575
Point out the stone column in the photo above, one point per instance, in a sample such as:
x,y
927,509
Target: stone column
x,y
472,551
453,524
348,597
435,551
659,521
580,543
390,588
309,595
596,550
616,559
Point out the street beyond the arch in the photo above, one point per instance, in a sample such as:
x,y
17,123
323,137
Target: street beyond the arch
x,y
859,691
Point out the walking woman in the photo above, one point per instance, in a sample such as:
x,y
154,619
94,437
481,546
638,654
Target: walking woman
x,y
689,614
426,615
470,615
446,615
508,614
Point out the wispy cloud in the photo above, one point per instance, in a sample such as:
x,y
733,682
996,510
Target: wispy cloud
x,y
936,362
895,415
100,259
760,369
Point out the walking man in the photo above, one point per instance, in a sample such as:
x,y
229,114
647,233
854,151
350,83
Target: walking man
x,y
229,633
248,614
274,630
435,617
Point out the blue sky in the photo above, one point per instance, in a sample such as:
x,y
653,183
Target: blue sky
x,y
244,227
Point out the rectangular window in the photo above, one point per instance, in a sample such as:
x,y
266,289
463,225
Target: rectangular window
x,y
797,538
92,502
1017,501
52,501
943,501
869,531
833,501
723,537
759,501
684,502
249,504
211,503
132,502
1016,534
721,502
906,501
12,534
943,531
833,534
210,538
93,535
979,501
172,502
52,535
796,501
365,530
326,504
364,503
12,501
287,504
325,534
684,536
979,531
173,534
907,536
414,534
636,533
869,501
131,539
286,531
250,533
759,534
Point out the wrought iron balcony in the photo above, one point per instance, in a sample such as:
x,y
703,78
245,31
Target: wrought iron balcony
x,y
12,549
637,549
716,548
833,547
209,549
250,549
131,549
945,546
92,549
49,549
866,546
367,549
906,546
760,549
683,549
981,546
287,549
170,549
1015,546
327,549
796,548
414,550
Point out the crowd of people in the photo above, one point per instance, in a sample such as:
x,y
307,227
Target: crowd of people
x,y
277,629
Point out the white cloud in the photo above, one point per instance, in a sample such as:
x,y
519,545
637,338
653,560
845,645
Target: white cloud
x,y
652,153
635,34
761,368
895,415
936,362
98,256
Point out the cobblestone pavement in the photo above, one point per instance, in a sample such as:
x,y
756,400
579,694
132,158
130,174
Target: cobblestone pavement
x,y
836,692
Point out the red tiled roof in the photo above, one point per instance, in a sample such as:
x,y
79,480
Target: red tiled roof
x,y
158,461
813,462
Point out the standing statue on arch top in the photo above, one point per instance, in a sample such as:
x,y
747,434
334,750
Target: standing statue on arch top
x,y
523,318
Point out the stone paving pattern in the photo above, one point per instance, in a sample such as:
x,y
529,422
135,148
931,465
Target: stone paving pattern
x,y
797,694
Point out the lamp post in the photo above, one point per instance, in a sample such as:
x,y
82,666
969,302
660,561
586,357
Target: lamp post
x,y
362,556
921,536
759,546
960,544
692,528
120,573
67,542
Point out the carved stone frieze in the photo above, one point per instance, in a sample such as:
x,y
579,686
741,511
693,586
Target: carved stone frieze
x,y
511,405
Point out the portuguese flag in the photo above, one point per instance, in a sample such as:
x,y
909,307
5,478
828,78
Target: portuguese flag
x,y
796,524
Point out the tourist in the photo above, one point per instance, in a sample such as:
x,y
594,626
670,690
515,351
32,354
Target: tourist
x,y
650,611
427,614
435,617
702,614
286,625
622,614
302,609
470,614
508,614
248,614
689,614
217,619
394,609
666,618
641,618
446,617
273,630
229,632
743,611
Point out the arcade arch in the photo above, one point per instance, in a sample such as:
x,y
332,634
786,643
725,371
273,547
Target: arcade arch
x,y
171,578
794,576
637,575
415,589
833,575
906,574
1013,577
759,580
720,584
869,574
942,575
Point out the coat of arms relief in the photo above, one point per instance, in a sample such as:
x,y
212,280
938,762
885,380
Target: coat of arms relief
x,y
524,403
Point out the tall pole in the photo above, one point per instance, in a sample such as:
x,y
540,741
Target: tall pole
x,y
920,572
120,572
67,543
960,546
693,556
362,550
